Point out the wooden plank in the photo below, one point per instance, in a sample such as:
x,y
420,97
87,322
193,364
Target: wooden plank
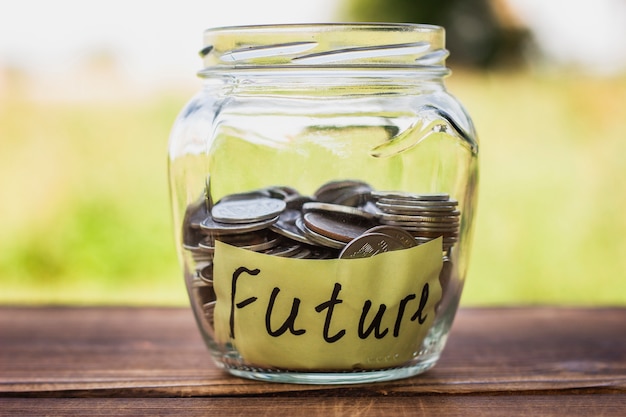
x,y
158,352
423,405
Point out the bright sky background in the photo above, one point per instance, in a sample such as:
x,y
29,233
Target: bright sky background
x,y
591,33
159,40
150,38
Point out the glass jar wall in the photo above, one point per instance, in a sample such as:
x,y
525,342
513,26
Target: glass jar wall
x,y
323,187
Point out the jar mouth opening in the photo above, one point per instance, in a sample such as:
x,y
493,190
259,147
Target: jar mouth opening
x,y
325,45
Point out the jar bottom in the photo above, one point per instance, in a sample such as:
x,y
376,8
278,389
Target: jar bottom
x,y
432,347
335,378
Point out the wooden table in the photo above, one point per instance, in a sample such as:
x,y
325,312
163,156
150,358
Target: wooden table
x,y
151,361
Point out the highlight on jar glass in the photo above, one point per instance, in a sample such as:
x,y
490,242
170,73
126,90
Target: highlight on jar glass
x,y
323,186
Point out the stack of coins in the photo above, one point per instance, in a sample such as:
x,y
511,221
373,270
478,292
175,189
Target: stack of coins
x,y
343,219
425,216
279,221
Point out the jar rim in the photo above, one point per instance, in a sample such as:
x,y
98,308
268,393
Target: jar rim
x,y
325,45
324,25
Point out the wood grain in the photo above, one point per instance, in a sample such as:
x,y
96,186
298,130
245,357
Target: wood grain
x,y
423,405
64,358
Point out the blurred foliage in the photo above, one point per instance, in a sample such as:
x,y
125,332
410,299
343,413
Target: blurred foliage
x,y
476,35
85,203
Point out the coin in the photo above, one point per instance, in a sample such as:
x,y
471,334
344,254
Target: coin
x,y
209,311
243,239
419,221
285,250
336,227
205,273
418,200
337,209
345,192
390,217
318,238
296,201
290,231
209,225
370,244
413,209
398,195
259,247
247,210
397,233
286,226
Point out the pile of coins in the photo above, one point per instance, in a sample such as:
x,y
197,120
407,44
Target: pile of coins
x,y
342,219
425,216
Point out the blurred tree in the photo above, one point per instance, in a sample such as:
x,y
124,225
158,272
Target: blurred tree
x,y
479,33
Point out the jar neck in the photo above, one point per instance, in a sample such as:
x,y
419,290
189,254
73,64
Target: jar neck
x,y
325,83
379,53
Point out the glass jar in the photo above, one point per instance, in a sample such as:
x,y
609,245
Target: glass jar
x,y
323,189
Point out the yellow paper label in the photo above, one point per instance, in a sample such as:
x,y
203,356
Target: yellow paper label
x,y
335,314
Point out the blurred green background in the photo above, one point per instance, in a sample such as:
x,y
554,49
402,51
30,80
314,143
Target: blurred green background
x,y
84,200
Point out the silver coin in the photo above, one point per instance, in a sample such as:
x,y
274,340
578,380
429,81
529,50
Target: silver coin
x,y
247,210
399,195
205,273
281,192
209,311
286,226
417,202
246,239
412,209
370,244
440,214
446,241
333,191
440,220
392,217
420,223
433,234
259,247
284,250
291,231
207,246
397,233
211,226
337,209
395,220
426,227
295,202
353,197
